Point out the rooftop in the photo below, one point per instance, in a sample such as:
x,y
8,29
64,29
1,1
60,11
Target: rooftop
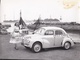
x,y
49,27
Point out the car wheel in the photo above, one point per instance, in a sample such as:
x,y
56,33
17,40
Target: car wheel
x,y
67,45
36,47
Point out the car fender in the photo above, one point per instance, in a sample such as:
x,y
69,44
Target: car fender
x,y
67,40
34,40
45,43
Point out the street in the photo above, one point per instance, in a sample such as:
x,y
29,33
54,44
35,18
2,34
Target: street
x,y
7,51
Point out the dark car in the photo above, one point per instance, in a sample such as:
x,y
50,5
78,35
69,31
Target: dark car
x,y
3,31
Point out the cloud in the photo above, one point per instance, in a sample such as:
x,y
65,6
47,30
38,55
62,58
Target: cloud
x,y
69,3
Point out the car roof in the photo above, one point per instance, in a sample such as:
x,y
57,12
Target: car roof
x,y
54,28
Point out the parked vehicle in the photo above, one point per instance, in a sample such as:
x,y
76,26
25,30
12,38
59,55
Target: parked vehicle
x,y
47,37
3,31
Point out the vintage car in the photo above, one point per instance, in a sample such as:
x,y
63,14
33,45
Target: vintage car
x,y
48,37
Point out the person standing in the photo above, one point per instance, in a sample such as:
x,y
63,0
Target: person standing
x,y
14,36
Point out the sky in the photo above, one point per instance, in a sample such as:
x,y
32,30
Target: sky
x,y
33,9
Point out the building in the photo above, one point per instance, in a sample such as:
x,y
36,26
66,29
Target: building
x,y
50,21
9,22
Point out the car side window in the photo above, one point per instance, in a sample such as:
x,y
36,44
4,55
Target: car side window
x,y
49,32
58,32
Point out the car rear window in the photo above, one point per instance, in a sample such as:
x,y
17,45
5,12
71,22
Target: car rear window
x,y
58,32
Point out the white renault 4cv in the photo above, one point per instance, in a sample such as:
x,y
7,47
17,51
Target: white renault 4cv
x,y
47,37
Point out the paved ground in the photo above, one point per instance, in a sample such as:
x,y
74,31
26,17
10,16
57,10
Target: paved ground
x,y
7,51
75,37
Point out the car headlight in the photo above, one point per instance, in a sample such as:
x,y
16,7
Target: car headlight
x,y
26,40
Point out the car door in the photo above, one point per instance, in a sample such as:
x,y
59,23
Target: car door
x,y
58,37
48,38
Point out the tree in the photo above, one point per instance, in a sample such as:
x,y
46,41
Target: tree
x,y
37,24
0,24
73,23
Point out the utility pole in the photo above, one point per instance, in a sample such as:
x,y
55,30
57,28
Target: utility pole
x,y
20,21
20,13
60,20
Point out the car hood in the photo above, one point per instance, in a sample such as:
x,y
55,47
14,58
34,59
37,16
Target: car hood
x,y
33,36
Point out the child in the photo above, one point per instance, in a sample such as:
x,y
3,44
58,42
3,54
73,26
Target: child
x,y
15,36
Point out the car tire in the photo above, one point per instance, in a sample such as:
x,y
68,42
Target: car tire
x,y
36,47
67,45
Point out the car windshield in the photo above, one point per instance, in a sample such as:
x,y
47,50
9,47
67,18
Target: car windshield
x,y
40,31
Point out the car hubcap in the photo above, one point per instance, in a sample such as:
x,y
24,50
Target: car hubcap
x,y
67,45
37,48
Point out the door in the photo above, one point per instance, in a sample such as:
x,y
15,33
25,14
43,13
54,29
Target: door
x,y
48,38
58,38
